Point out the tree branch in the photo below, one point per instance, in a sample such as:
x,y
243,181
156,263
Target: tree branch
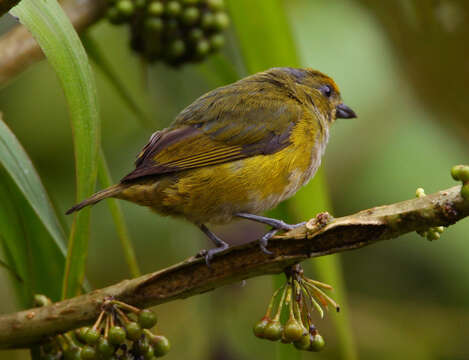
x,y
192,277
18,49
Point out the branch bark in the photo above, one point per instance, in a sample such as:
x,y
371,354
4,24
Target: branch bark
x,y
18,49
192,277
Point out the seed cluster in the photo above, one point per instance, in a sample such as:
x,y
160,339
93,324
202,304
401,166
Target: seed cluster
x,y
300,296
121,332
172,31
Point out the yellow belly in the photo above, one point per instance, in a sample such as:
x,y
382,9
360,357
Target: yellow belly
x,y
214,194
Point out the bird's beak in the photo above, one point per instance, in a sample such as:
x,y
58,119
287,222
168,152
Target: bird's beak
x,y
344,112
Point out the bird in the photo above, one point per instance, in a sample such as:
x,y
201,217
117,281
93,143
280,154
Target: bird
x,y
236,152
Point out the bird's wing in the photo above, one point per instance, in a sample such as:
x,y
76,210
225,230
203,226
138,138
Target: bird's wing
x,y
226,128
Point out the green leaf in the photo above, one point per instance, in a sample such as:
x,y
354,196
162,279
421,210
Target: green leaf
x,y
266,41
60,43
31,237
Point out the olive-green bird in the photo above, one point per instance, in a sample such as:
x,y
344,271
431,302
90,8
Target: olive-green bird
x,y
236,152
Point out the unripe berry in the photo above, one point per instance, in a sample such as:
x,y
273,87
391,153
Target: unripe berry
x,y
104,348
134,331
215,5
221,21
88,353
92,336
147,319
155,8
273,330
125,7
464,174
161,345
260,326
173,8
190,15
317,343
293,331
154,24
116,335
304,343
202,48
217,41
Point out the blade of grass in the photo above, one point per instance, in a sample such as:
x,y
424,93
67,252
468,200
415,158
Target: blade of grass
x,y
28,222
60,43
266,41
105,179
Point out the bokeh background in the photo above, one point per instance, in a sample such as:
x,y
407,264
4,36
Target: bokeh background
x,y
401,66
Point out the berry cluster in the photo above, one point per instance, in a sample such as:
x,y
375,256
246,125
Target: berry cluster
x,y
172,31
121,332
299,297
432,233
461,173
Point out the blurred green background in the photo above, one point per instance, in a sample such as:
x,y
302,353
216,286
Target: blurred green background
x,y
408,298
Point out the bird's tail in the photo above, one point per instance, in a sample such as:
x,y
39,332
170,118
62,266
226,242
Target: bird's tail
x,y
100,195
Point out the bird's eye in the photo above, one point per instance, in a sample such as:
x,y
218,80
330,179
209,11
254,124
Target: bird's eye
x,y
326,90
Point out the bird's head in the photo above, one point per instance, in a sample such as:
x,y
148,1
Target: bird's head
x,y
314,87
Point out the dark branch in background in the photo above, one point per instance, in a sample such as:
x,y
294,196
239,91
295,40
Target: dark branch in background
x,y
18,49
6,5
193,277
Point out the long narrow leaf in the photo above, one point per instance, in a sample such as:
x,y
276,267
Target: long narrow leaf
x,y
266,41
60,43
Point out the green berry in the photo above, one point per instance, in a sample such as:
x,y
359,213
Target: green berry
x,y
134,331
202,47
260,326
88,353
147,319
173,8
190,2
215,5
293,331
433,235
207,20
161,345
80,334
464,174
177,48
154,24
125,7
92,336
304,343
104,348
221,21
317,343
72,353
465,192
116,335
273,330
217,41
155,8
190,15
195,34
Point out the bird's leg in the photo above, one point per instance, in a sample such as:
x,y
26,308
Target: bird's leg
x,y
219,243
277,225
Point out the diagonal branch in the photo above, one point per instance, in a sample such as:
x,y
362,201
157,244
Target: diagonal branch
x,y
193,277
18,49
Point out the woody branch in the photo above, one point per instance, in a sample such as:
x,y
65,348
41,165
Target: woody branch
x,y
320,236
18,49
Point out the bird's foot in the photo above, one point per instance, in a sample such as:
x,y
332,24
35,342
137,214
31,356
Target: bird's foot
x,y
208,254
219,243
277,225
